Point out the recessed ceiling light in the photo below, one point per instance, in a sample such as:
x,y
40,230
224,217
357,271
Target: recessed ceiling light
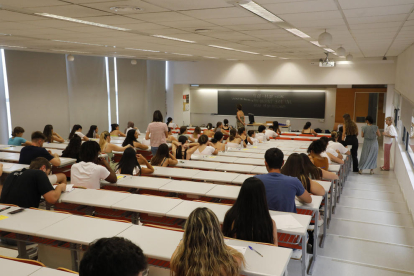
x,y
4,34
231,49
83,43
329,50
125,9
297,32
283,58
316,43
231,59
173,38
81,21
209,57
269,56
124,56
69,51
260,11
202,30
182,54
143,50
12,46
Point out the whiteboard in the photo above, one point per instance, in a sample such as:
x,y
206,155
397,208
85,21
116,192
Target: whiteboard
x,y
203,101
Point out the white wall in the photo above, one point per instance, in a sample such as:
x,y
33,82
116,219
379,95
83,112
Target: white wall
x,y
404,81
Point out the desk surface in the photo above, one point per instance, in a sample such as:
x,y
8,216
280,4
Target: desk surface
x,y
175,172
15,268
198,164
140,182
250,161
45,271
314,205
91,197
224,191
225,177
236,168
153,205
186,207
214,158
241,178
234,153
188,187
12,167
83,230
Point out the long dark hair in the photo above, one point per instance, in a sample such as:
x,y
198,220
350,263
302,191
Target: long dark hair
x,y
226,122
294,167
233,134
73,149
128,162
89,152
307,125
162,152
209,126
169,120
317,146
217,137
275,125
48,132
113,127
74,129
249,218
130,138
179,152
91,132
310,169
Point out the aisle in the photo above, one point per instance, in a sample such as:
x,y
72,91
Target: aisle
x,y
371,233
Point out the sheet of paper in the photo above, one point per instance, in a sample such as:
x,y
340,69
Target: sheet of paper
x,y
286,222
212,157
241,249
69,188
120,176
7,165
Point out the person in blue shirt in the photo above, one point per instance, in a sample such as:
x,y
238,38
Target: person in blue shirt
x,y
17,139
281,190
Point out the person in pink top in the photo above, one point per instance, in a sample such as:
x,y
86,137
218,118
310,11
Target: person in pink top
x,y
158,131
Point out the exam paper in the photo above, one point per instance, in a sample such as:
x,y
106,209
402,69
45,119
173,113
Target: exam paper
x,y
286,222
69,188
7,165
241,249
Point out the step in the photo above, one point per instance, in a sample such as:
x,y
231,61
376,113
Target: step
x,y
372,253
395,196
371,180
372,232
370,204
372,216
372,186
328,267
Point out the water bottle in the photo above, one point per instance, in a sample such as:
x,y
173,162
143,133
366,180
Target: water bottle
x,y
241,144
226,148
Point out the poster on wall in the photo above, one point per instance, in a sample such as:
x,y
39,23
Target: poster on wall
x,y
186,102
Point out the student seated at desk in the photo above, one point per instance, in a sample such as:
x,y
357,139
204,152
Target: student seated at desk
x,y
206,147
252,137
131,140
131,125
107,147
73,149
171,124
219,128
25,188
315,172
29,153
131,162
170,137
209,131
276,128
17,139
249,218
115,131
202,250
163,157
243,135
307,129
93,132
217,141
270,133
281,190
197,133
184,132
334,144
113,256
182,149
233,141
52,136
294,167
261,135
226,125
92,169
332,154
315,149
77,129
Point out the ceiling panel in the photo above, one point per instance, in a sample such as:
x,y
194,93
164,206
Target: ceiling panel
x,y
357,4
236,20
378,11
377,19
218,13
195,24
161,16
312,16
249,27
32,3
146,7
183,5
70,11
301,7
112,19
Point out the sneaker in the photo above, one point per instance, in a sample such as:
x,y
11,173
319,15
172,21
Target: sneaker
x,y
296,254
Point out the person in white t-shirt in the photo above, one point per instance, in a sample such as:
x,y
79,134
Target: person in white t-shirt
x,y
389,134
261,135
252,137
334,144
271,133
334,156
77,130
130,126
206,147
92,169
171,124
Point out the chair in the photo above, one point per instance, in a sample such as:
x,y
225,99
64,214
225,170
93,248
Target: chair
x,y
26,261
66,270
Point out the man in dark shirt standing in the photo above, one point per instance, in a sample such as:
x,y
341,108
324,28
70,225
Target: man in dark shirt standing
x,y
25,188
29,153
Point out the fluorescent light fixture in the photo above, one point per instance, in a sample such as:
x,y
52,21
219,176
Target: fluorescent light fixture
x,y
69,51
329,50
11,46
108,90
181,54
173,38
283,58
211,57
123,56
270,56
74,42
116,91
143,50
6,92
297,33
82,21
231,59
194,85
344,62
316,43
231,49
4,34
260,11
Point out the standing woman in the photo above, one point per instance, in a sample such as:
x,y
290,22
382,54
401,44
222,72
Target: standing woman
x,y
116,132
77,130
158,131
93,132
202,251
51,135
276,127
369,152
240,117
389,134
350,137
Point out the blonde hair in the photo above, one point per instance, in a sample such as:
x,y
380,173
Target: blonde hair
x,y
350,127
334,136
197,132
102,140
203,251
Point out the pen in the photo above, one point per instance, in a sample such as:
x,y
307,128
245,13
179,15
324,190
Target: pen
x,y
4,209
251,248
